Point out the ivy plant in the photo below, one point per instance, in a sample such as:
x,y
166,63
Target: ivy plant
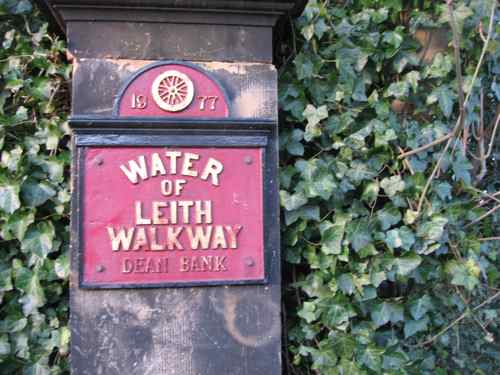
x,y
390,188
34,194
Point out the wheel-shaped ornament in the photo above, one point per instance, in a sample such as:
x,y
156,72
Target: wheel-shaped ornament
x,y
173,91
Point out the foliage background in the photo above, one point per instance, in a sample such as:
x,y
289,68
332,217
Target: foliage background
x,y
34,194
391,268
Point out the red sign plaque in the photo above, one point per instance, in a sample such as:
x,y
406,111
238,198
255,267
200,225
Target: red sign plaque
x,y
159,216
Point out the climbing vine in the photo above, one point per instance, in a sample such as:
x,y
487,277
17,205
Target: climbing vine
x,y
34,194
390,188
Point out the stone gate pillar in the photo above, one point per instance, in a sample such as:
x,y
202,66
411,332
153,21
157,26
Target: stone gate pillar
x,y
175,213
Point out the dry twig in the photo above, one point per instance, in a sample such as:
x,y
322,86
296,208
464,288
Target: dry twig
x,y
459,120
483,216
459,319
458,68
489,239
469,91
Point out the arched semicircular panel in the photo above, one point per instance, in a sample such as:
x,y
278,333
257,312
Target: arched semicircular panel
x,y
175,90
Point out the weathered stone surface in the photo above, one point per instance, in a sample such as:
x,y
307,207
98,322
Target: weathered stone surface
x,y
188,331
251,87
215,330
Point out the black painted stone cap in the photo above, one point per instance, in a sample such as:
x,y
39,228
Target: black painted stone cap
x,y
62,11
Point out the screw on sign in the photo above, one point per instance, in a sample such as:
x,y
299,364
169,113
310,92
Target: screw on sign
x,y
173,91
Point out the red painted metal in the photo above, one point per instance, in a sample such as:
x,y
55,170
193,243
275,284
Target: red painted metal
x,y
209,100
109,202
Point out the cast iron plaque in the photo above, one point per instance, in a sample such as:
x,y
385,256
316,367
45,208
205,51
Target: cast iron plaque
x,y
172,90
159,216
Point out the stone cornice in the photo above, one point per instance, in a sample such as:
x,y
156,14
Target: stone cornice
x,y
228,12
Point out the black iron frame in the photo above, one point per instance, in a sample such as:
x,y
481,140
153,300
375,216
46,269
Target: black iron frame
x,y
148,132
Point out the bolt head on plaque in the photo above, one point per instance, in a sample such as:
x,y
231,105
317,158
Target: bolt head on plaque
x,y
172,91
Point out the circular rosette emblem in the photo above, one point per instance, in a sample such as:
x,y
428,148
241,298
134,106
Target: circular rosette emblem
x,y
173,91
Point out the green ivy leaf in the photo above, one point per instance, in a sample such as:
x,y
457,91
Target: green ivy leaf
x,y
21,115
33,151
21,346
64,340
443,189
11,159
399,89
413,78
343,344
370,191
445,97
308,31
331,237
39,368
394,360
386,73
392,185
304,212
367,251
432,230
308,312
6,280
464,274
388,216
21,7
9,197
359,234
461,169
17,224
42,88
376,278
303,66
314,116
420,307
33,297
400,237
295,148
441,66
13,323
61,266
8,39
414,326
292,201
410,216
386,312
372,357
323,184
36,193
393,38
380,15
320,28
406,264
5,347
54,168
39,239
336,315
359,172
346,283
460,14
359,93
